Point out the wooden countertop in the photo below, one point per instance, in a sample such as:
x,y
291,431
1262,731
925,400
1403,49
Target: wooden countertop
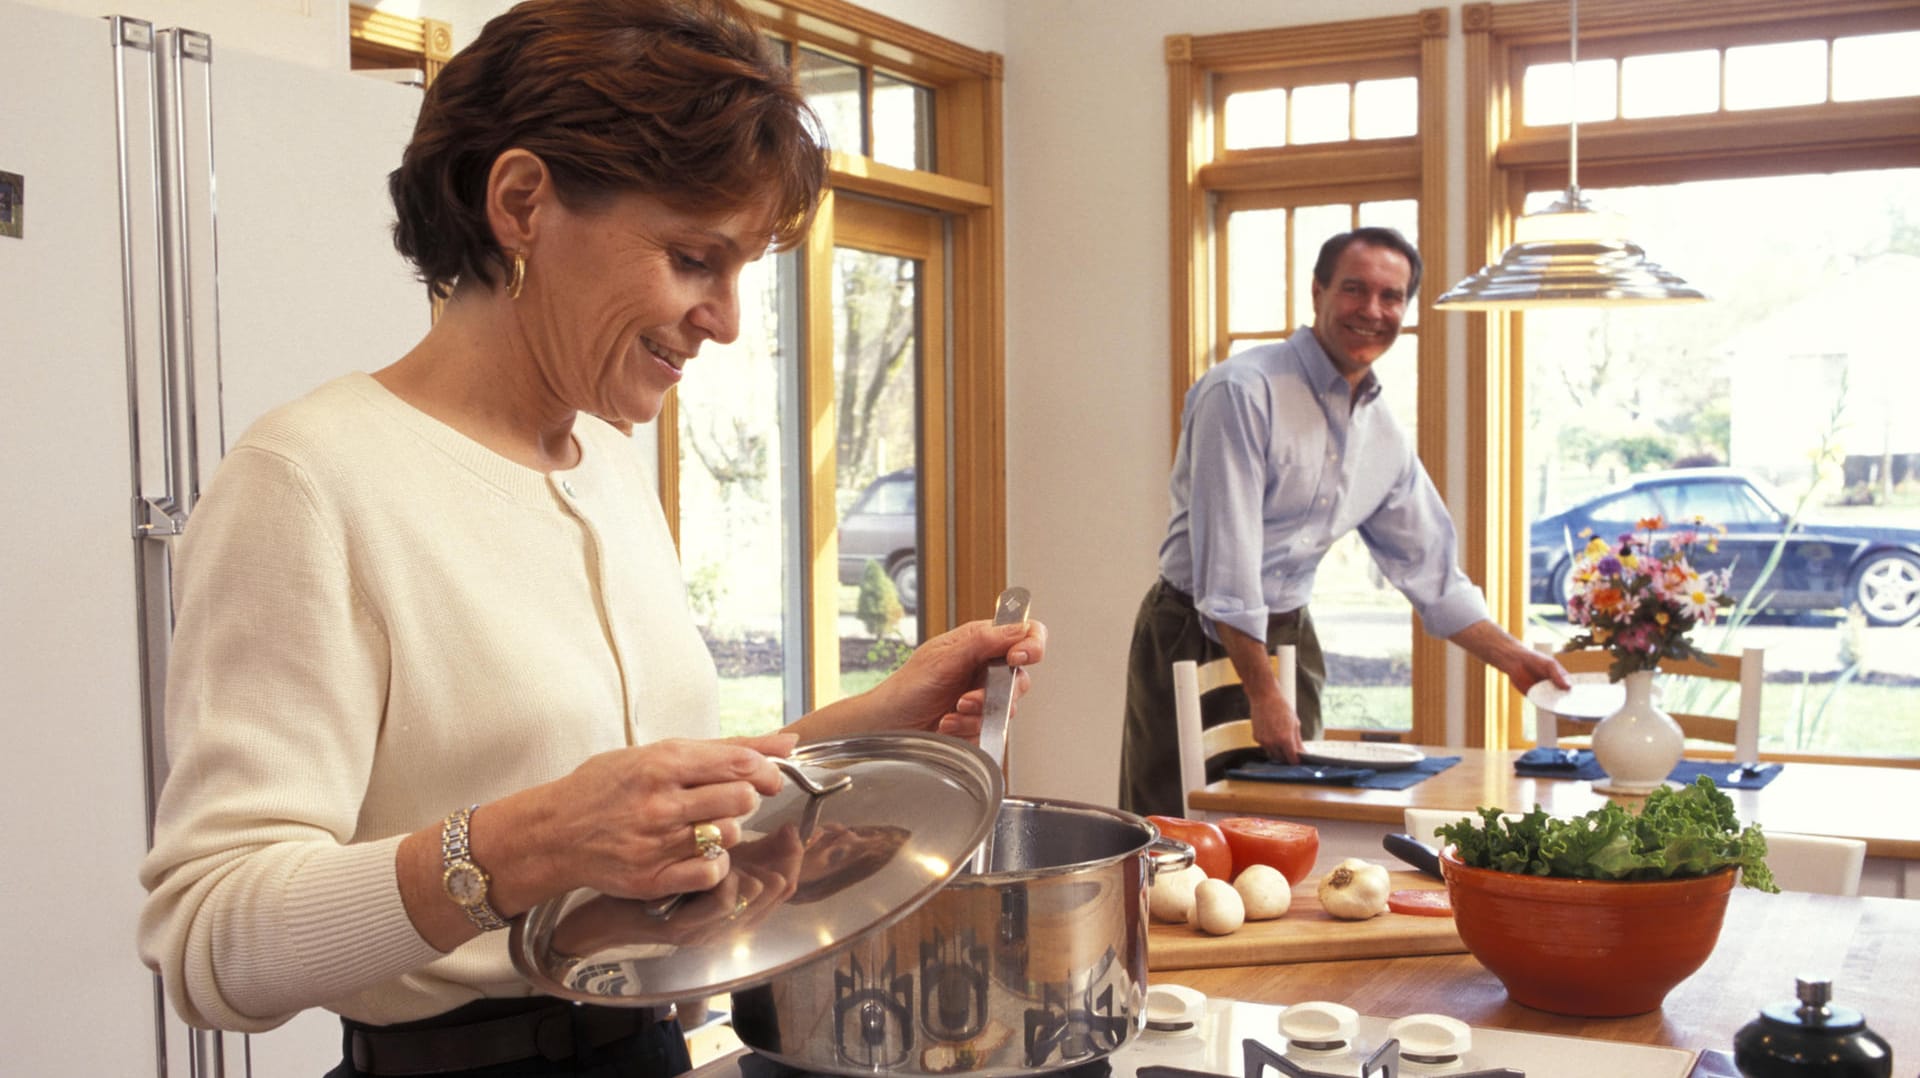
x,y
1880,805
1868,947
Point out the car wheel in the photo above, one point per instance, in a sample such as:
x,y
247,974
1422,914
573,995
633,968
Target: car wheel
x,y
1562,586
1886,587
906,581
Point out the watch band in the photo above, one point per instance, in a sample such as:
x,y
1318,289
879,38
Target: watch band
x,y
465,882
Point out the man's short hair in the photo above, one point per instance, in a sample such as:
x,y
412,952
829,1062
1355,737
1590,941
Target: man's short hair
x,y
1372,236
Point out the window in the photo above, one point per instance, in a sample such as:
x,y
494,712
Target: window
x,y
835,432
1313,131
1764,411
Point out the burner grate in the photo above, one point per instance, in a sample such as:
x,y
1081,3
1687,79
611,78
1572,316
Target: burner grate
x,y
754,1065
1383,1063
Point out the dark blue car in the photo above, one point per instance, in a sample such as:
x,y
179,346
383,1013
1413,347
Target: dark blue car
x,y
1823,567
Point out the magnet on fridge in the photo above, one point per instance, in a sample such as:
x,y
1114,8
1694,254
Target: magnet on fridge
x,y
13,201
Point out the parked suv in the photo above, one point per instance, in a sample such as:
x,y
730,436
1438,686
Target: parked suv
x,y
1823,566
883,526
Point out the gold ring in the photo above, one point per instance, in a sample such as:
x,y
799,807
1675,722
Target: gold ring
x,y
706,839
739,907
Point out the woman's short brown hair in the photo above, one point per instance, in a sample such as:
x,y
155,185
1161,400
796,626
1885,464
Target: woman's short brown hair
x,y
682,100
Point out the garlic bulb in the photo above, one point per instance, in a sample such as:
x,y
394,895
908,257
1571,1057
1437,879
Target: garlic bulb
x,y
1355,890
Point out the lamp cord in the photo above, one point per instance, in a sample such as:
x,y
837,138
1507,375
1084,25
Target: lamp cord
x,y
1573,93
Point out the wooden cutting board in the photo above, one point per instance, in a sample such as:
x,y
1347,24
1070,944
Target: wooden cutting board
x,y
1308,934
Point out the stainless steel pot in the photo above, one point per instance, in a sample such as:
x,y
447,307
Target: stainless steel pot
x,y
1036,965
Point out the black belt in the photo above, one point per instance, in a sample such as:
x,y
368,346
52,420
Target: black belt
x,y
470,1038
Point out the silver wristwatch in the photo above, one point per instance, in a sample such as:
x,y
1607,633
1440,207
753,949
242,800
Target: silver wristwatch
x,y
466,882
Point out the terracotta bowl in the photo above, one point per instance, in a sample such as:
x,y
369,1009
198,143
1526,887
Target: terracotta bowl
x,y
1586,948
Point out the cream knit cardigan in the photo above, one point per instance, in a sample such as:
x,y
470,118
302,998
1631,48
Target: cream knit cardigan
x,y
380,621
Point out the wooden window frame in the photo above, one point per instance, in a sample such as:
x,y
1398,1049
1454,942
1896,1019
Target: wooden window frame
x,y
1505,160
1201,169
381,39
966,190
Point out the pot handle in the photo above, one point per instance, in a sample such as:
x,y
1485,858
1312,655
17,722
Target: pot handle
x,y
1167,855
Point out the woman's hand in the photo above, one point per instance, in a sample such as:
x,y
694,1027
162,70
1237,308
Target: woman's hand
x,y
624,822
941,686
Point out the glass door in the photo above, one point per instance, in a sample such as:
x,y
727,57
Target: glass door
x,y
889,455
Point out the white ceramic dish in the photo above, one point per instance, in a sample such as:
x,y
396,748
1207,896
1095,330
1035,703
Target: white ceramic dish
x,y
1378,755
1591,698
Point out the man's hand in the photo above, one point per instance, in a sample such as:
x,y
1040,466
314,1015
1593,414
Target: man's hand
x,y
1496,647
1275,724
1276,728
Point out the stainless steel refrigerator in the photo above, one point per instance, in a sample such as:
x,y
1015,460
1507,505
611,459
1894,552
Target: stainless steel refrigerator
x,y
193,236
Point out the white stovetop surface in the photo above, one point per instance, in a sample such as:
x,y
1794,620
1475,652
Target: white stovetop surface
x,y
1214,1046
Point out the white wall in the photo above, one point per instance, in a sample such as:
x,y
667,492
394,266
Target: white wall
x,y
310,32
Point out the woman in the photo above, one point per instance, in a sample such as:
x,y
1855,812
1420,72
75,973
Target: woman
x,y
433,661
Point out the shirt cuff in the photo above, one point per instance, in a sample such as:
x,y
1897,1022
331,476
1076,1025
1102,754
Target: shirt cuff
x,y
1452,613
1249,620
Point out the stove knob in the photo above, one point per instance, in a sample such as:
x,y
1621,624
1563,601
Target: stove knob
x,y
1173,1008
1431,1038
1318,1026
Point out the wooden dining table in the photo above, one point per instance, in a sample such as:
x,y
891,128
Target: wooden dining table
x,y
1879,805
1869,948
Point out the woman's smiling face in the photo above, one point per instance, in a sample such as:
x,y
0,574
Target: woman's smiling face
x,y
626,293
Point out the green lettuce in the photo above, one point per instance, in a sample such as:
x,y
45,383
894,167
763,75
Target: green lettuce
x,y
1689,831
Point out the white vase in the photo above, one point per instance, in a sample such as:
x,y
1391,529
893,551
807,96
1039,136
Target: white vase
x,y
1637,745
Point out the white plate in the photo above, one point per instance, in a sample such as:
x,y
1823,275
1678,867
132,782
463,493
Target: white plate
x,y
1378,755
1592,697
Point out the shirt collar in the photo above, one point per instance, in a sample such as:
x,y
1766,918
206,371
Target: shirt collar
x,y
1325,375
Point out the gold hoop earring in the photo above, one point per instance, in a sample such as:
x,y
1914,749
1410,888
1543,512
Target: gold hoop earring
x,y
518,278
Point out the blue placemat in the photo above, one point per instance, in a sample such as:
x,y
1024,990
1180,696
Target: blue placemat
x,y
1580,764
1722,774
1363,777
1559,764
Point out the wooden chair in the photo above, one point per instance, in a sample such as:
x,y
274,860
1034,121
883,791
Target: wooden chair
x,y
1747,670
1199,744
1817,863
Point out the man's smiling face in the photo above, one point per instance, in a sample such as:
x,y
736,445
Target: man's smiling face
x,y
1356,315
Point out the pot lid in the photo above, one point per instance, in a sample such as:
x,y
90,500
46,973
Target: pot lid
x,y
866,829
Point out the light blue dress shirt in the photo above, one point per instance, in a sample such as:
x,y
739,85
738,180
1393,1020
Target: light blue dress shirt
x,y
1274,466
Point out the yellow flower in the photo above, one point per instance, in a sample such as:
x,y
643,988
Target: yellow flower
x,y
1661,617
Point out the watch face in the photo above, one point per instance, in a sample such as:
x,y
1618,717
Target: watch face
x,y
467,884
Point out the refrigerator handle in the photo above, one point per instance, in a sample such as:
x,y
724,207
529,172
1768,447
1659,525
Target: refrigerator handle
x,y
192,296
157,512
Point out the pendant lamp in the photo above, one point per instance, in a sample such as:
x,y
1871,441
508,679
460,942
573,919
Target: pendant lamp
x,y
1569,254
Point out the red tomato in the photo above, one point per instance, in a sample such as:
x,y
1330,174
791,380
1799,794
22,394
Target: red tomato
x,y
1287,846
1421,902
1209,845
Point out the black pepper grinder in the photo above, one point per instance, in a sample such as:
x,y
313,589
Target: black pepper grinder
x,y
1810,1036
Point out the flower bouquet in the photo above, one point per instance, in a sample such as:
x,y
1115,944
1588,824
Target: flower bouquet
x,y
1641,597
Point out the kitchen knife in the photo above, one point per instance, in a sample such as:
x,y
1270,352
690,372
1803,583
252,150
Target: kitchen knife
x,y
1414,852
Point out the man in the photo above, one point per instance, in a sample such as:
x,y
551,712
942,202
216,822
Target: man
x,y
1283,450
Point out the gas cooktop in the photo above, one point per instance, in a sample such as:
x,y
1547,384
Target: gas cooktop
x,y
1235,1039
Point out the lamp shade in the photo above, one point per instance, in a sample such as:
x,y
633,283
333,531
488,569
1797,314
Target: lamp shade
x,y
1569,255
